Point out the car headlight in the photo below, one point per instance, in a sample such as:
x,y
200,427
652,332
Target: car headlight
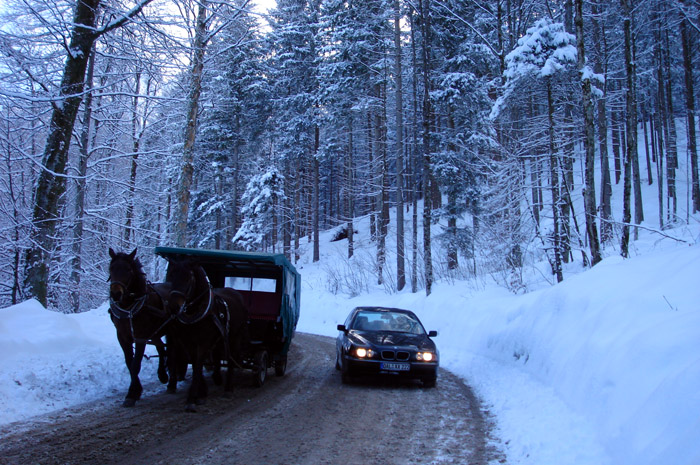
x,y
361,352
426,356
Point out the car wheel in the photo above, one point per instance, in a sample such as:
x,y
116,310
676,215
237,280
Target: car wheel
x,y
430,381
337,361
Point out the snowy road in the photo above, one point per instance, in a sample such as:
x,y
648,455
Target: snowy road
x,y
307,417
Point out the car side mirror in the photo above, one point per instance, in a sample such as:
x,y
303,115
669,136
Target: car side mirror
x,y
342,328
432,333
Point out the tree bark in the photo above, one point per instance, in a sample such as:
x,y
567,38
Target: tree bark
x,y
350,189
554,181
315,200
400,249
80,188
670,130
688,43
136,142
187,163
631,124
589,143
424,6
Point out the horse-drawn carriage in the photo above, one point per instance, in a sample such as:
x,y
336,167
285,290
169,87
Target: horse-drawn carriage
x,y
223,308
271,290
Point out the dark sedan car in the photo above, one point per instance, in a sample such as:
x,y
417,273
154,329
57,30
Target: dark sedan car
x,y
378,340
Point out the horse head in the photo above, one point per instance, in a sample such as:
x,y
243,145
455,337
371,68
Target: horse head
x,y
126,275
189,287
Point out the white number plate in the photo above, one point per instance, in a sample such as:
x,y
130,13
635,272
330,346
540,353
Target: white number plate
x,y
395,366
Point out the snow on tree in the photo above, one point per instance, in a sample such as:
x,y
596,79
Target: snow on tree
x,y
546,49
545,52
260,200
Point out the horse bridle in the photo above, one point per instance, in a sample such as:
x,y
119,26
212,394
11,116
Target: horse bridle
x,y
119,283
182,315
119,312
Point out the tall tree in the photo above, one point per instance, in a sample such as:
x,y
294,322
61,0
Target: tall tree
x,y
631,122
398,72
589,140
426,51
689,44
51,185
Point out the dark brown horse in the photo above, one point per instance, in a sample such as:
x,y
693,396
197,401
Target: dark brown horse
x,y
138,311
212,324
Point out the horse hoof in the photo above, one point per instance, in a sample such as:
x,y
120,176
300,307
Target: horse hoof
x,y
171,390
190,408
163,377
199,401
129,402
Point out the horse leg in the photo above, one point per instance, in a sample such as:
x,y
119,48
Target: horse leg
x,y
195,395
172,355
135,388
216,365
162,370
126,343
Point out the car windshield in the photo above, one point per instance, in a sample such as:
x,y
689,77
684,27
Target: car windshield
x,y
367,320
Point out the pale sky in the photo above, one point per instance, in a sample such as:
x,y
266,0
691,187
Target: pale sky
x,y
265,5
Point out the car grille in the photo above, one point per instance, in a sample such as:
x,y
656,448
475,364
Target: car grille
x,y
401,355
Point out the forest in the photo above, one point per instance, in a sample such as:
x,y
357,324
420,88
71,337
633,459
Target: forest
x,y
495,131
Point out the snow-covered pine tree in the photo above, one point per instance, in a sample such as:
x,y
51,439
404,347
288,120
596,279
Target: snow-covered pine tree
x,y
261,201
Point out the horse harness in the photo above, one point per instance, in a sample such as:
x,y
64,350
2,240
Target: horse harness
x,y
221,319
118,312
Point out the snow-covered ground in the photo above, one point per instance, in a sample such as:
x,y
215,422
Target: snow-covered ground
x,y
603,368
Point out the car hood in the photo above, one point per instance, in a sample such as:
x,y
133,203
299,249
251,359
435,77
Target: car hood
x,y
392,339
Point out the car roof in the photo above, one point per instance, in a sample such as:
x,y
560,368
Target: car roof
x,y
384,309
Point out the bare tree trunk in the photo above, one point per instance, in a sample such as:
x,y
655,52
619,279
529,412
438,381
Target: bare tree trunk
x,y
616,140
287,211
554,181
424,6
671,136
400,250
14,197
234,193
660,165
350,191
316,203
688,46
372,171
631,125
647,152
414,164
589,142
452,256
187,164
382,198
135,143
80,189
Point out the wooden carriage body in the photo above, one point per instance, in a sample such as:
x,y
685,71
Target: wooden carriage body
x,y
271,288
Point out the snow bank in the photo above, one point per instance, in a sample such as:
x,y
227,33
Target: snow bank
x,y
602,368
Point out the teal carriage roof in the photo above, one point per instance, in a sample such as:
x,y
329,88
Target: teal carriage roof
x,y
230,259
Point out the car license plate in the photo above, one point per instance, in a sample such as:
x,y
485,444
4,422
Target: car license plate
x,y
395,366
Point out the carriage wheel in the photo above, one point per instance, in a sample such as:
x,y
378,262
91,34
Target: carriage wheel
x,y
260,361
281,366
